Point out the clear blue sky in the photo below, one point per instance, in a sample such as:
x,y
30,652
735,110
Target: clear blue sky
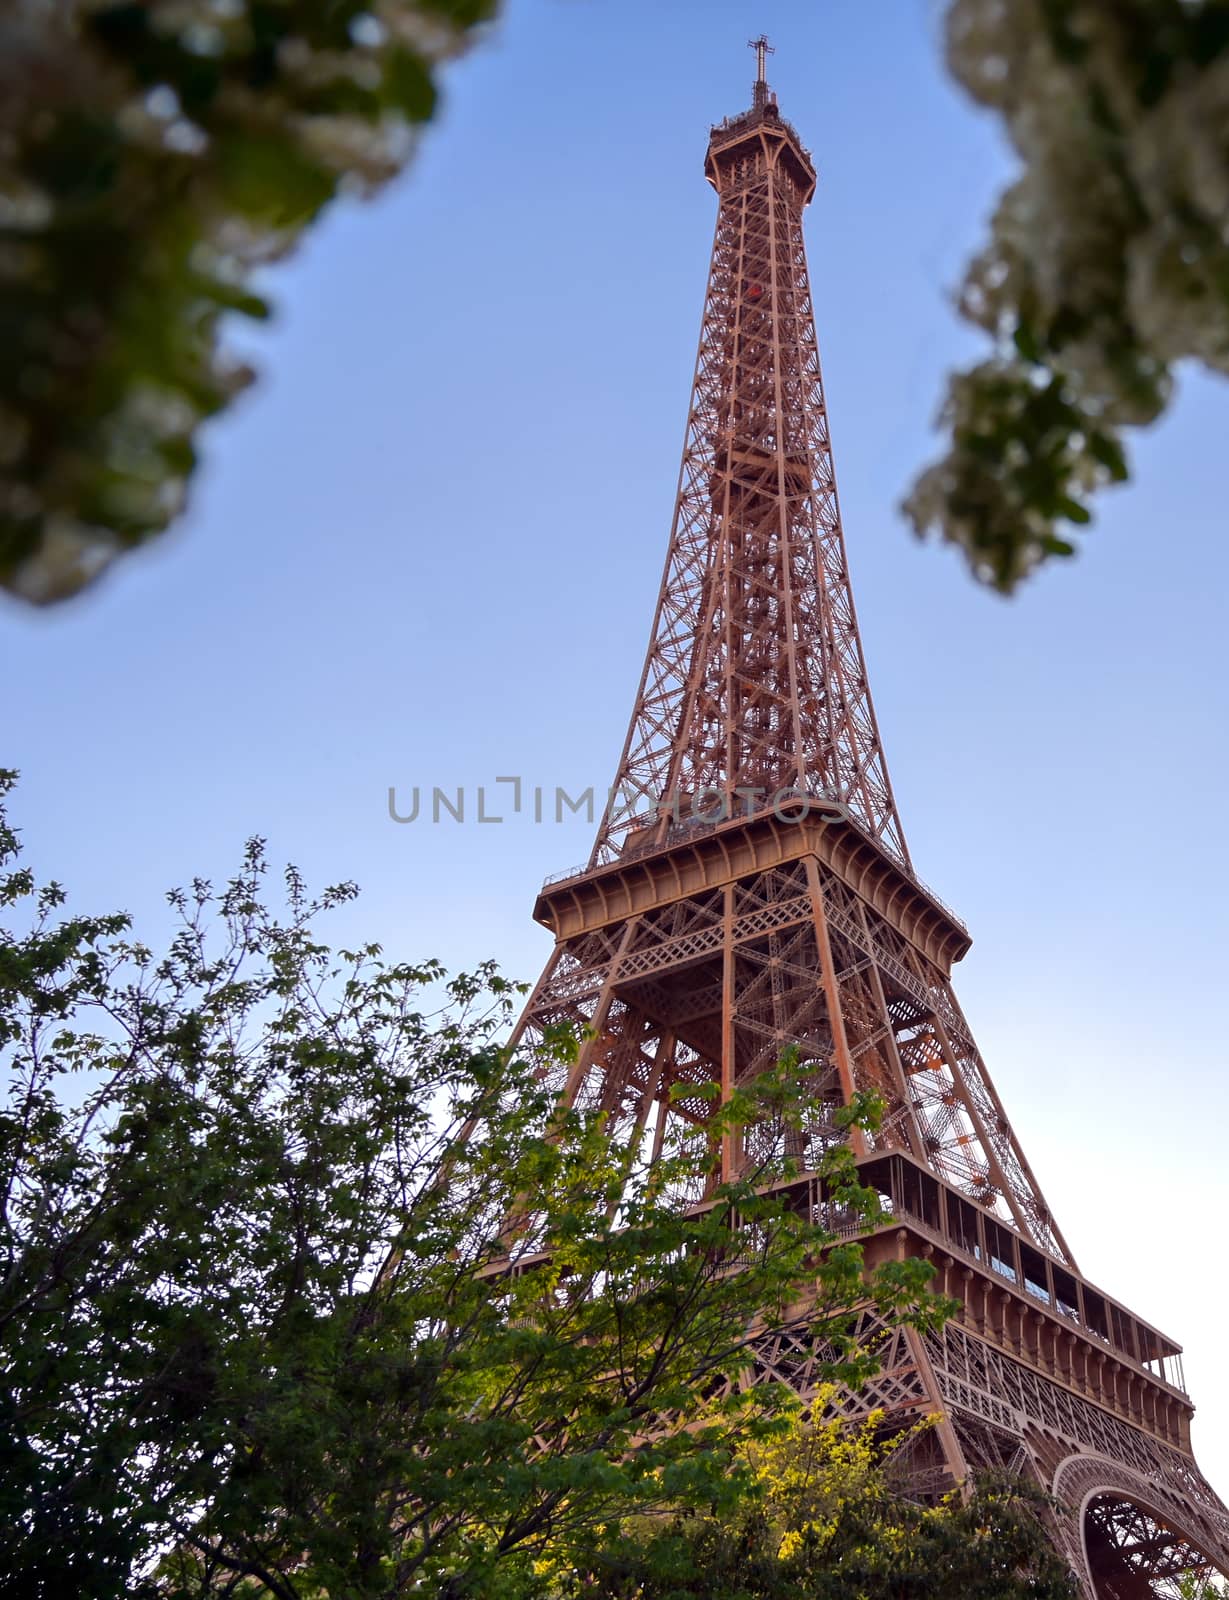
x,y
426,549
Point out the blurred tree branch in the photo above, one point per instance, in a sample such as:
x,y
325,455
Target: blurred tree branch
x,y
152,156
1108,260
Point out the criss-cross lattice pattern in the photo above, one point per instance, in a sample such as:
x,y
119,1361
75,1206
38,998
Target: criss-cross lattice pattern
x,y
703,942
1133,1552
793,958
755,680
800,1357
1084,1455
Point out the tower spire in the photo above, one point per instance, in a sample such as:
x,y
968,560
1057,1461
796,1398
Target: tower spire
x,y
763,50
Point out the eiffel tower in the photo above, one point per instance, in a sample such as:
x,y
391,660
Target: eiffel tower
x,y
750,890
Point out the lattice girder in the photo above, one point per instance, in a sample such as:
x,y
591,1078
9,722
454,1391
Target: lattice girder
x,y
699,944
1082,1453
791,957
754,678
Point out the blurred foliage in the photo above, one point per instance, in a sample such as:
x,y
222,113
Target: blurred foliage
x,y
821,1520
152,157
1108,260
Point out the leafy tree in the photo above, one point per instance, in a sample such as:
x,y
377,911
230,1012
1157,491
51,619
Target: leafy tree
x,y
1200,1586
308,1285
1107,263
822,1522
152,156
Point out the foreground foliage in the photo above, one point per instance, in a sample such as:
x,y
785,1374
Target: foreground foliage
x,y
258,1317
821,1521
1107,264
152,156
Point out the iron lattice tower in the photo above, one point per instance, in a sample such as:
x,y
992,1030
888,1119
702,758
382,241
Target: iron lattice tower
x,y
750,889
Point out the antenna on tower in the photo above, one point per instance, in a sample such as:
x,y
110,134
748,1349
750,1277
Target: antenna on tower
x,y
762,50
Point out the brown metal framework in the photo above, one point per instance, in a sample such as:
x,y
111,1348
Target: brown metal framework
x,y
750,890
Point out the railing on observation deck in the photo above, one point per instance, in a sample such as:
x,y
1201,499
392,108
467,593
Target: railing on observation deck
x,y
896,1203
749,119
